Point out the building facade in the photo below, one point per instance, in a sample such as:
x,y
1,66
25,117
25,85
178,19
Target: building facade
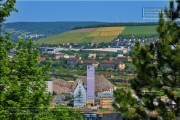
x,y
105,99
124,58
80,95
72,62
112,64
49,86
106,102
90,62
90,85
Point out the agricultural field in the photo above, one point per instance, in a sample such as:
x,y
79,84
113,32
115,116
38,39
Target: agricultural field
x,y
139,30
104,34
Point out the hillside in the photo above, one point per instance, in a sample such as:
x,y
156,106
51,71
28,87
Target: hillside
x,y
37,30
102,34
139,30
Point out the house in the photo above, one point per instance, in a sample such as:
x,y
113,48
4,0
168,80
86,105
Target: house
x,y
56,56
103,55
92,56
105,99
124,58
64,55
42,58
79,95
119,55
72,61
112,64
51,50
90,62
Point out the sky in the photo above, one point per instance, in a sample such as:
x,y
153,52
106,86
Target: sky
x,y
101,11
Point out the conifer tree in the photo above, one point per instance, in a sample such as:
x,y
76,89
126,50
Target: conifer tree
x,y
158,72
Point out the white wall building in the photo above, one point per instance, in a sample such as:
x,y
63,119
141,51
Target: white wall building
x,y
80,95
49,86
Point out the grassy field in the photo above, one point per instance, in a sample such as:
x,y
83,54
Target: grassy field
x,y
104,34
139,30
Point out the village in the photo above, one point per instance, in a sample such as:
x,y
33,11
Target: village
x,y
93,92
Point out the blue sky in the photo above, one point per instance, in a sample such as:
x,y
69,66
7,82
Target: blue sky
x,y
103,11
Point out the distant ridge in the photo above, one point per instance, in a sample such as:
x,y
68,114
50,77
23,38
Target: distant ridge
x,y
45,28
118,24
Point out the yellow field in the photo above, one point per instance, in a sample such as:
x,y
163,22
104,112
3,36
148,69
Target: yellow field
x,y
94,34
106,31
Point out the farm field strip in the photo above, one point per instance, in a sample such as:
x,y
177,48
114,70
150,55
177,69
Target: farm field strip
x,y
106,31
139,30
103,34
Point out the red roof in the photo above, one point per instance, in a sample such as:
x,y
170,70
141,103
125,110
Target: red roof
x,y
90,62
41,58
73,59
103,55
124,58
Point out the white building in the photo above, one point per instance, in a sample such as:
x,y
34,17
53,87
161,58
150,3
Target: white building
x,y
64,56
49,86
80,95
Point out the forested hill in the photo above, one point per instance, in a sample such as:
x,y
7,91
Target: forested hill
x,y
118,24
38,30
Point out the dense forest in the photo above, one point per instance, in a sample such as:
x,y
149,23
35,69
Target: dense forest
x,y
118,24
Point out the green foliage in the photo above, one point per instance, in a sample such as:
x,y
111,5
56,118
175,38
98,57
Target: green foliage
x,y
67,98
139,30
23,93
69,52
157,66
6,8
61,112
127,105
118,24
23,82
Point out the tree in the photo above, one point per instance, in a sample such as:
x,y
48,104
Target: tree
x,y
22,80
157,66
